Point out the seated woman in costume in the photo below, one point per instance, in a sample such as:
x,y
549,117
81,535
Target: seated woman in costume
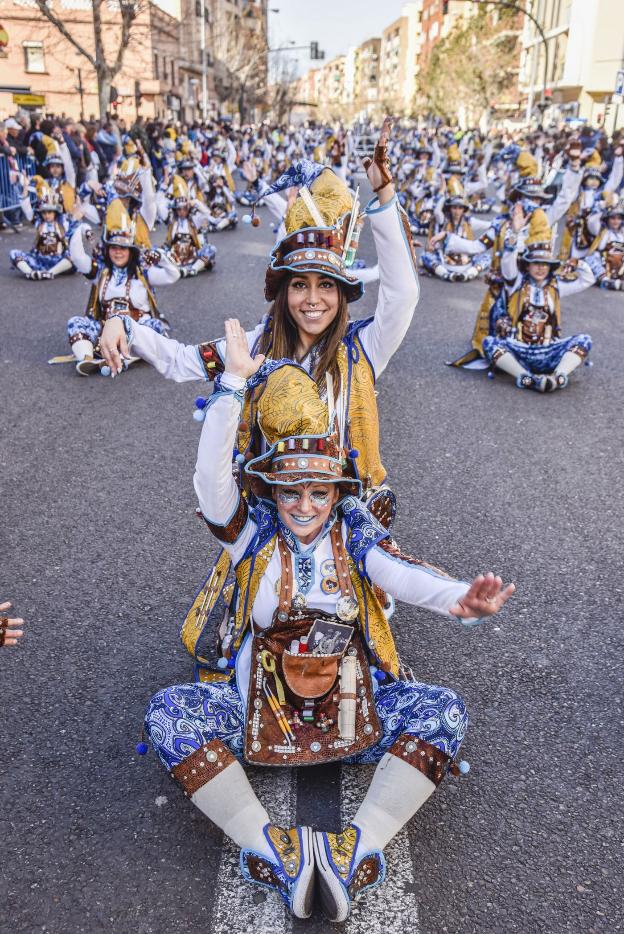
x,y
452,219
310,671
49,257
606,258
527,342
311,282
122,277
186,244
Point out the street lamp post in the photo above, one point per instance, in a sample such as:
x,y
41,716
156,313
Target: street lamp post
x,y
202,49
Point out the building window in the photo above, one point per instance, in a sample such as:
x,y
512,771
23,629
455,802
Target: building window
x,y
173,80
198,8
156,75
34,61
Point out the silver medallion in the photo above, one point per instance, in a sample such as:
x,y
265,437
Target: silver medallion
x,y
299,601
347,609
315,746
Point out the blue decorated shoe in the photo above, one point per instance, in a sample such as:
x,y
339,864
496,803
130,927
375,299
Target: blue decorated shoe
x,y
340,879
291,874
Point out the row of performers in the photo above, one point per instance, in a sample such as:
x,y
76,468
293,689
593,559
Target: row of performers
x,y
461,246
290,482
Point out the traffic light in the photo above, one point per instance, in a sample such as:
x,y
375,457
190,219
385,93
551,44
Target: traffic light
x,y
315,52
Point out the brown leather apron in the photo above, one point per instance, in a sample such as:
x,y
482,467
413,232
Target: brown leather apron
x,y
297,702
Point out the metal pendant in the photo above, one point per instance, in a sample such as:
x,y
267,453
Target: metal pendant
x,y
299,601
347,609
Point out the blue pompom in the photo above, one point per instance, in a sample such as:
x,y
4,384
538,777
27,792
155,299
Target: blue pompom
x,y
464,767
222,663
142,749
378,675
199,415
240,459
105,371
200,402
490,375
354,453
246,218
589,362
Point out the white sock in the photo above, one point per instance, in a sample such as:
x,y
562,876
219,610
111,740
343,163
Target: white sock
x,y
63,265
230,802
569,363
23,267
396,792
81,349
508,364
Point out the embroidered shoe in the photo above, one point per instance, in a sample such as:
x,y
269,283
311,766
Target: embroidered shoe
x,y
339,878
291,874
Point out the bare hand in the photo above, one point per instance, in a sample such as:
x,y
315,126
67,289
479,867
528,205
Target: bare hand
x,y
238,360
249,171
7,627
114,344
435,239
485,597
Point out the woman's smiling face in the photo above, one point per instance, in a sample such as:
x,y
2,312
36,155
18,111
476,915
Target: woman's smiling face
x,y
306,507
313,301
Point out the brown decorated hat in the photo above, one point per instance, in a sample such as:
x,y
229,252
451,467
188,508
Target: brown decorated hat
x,y
322,230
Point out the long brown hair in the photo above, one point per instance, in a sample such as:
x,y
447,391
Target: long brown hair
x,y
281,338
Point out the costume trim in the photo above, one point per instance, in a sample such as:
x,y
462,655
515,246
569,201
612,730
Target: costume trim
x,y
202,766
234,526
428,759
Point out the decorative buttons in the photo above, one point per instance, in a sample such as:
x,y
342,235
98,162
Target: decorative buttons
x,y
256,746
410,747
302,462
368,729
258,703
211,756
309,254
315,746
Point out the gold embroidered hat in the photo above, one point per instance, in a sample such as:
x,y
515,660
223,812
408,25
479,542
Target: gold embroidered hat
x,y
305,441
127,181
539,246
119,228
47,198
322,229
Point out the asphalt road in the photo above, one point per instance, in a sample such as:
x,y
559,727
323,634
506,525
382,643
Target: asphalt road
x,y
101,554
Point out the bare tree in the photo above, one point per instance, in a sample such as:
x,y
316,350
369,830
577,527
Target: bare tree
x,y
105,69
240,49
283,87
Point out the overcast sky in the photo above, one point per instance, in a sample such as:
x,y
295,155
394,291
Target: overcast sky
x,y
334,24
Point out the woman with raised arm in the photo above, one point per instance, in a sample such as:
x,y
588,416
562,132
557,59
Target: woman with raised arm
x,y
309,670
311,282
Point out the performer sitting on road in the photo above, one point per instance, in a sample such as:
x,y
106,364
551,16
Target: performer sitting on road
x,y
49,257
451,219
309,559
186,244
122,277
527,342
311,283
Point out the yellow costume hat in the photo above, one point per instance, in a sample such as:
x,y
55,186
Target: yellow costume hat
x,y
539,246
454,163
127,181
593,166
304,442
179,191
322,229
526,164
53,152
47,198
455,196
119,228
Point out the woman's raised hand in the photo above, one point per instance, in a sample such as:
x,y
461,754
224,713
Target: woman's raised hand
x,y
485,597
378,168
114,345
238,360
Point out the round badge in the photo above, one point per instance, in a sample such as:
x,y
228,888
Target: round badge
x,y
316,746
367,729
302,462
299,601
309,254
256,746
258,703
347,609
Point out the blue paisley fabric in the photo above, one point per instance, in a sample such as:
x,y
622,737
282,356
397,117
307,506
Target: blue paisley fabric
x,y
91,329
39,262
539,359
364,530
184,717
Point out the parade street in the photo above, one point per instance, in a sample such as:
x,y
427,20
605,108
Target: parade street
x,y
102,554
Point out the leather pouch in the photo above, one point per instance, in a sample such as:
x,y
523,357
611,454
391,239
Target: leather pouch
x,y
310,676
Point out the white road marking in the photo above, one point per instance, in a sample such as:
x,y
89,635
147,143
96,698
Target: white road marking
x,y
390,907
235,908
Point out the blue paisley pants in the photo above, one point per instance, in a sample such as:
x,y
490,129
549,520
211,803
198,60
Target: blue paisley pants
x,y
182,718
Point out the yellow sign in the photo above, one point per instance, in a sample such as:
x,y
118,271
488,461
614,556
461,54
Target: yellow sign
x,y
29,100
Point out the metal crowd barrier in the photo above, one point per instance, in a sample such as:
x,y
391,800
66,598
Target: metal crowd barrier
x,y
10,188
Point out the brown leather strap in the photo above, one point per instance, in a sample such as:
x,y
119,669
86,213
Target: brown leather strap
x,y
380,158
286,579
4,620
341,561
